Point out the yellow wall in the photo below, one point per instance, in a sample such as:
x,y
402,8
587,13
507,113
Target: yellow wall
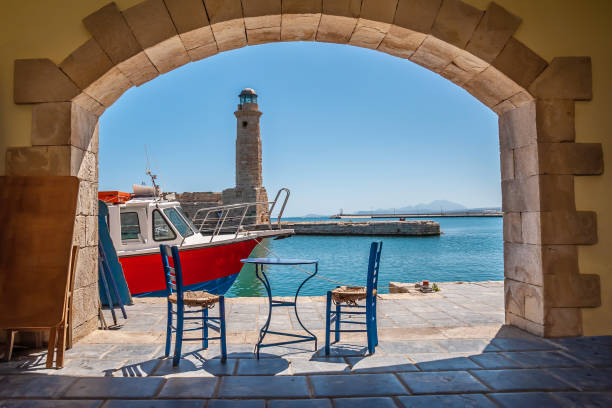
x,y
53,28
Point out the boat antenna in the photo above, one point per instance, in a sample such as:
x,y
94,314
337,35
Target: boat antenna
x,y
153,176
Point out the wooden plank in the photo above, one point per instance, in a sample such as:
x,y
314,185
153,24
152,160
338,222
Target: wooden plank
x,y
37,217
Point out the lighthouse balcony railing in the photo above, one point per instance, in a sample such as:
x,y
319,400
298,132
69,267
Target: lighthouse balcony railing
x,y
232,218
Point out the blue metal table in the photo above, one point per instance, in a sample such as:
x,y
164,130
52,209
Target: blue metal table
x,y
261,275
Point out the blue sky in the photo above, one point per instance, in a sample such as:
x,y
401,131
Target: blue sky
x,y
342,127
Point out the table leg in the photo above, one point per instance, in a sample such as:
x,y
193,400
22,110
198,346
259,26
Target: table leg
x,y
264,330
295,305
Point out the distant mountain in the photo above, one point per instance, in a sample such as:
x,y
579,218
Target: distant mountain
x,y
434,206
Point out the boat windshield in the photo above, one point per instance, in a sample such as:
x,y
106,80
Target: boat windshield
x,y
191,224
182,227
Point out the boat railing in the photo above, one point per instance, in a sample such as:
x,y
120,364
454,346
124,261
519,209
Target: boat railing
x,y
231,218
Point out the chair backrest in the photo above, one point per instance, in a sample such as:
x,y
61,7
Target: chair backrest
x,y
174,273
373,266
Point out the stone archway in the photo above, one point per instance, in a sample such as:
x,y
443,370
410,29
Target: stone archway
x,y
475,49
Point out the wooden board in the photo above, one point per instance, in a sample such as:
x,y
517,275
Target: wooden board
x,y
37,217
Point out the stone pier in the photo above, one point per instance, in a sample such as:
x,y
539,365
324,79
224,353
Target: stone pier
x,y
378,228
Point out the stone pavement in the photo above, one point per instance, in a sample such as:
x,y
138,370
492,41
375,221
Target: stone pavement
x,y
449,348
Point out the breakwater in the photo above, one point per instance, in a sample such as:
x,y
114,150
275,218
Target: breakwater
x,y
363,228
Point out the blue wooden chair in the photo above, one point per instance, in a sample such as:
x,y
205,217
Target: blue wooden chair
x,y
347,298
181,298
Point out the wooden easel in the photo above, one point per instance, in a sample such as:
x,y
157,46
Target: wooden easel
x,y
37,258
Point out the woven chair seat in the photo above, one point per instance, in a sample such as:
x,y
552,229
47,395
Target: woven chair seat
x,y
349,294
196,298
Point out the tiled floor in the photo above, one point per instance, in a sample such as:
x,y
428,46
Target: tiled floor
x,y
445,349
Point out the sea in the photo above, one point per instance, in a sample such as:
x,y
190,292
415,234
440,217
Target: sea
x,y
469,249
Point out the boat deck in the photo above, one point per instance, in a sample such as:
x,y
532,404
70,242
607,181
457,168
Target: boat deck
x,y
450,347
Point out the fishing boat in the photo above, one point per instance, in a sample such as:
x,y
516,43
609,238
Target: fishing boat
x,y
211,243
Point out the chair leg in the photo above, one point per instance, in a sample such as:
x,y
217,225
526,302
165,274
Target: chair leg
x,y
338,317
222,328
51,347
327,322
169,330
204,327
375,326
179,336
369,331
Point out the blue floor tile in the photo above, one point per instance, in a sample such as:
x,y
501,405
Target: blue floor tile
x,y
442,382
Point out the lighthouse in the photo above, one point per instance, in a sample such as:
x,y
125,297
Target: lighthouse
x,y
249,180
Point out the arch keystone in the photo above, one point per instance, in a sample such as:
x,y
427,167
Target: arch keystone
x,y
300,20
262,19
374,23
338,20
227,23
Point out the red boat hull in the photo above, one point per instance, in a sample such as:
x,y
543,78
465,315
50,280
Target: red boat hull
x,y
145,273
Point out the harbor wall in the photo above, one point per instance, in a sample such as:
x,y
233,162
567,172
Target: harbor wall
x,y
377,228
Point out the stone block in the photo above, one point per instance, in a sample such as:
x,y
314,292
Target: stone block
x,y
369,33
229,34
299,27
521,99
456,22
109,87
523,263
555,120
51,124
202,52
519,63
531,227
417,15
381,11
84,304
401,42
513,229
568,227
563,322
200,37
87,200
168,54
112,33
565,78
82,126
38,161
223,10
91,231
570,158
150,22
86,64
493,32
187,15
302,6
40,80
519,195
524,324
517,128
526,161
572,290
343,8
95,140
435,54
556,193
506,162
524,300
263,28
79,235
463,68
503,107
560,259
89,104
87,167
138,69
335,29
492,87
87,266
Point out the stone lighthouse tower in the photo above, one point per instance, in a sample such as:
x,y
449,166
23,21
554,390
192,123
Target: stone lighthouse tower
x,y
248,159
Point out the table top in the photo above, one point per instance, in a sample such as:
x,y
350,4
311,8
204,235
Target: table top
x,y
278,261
